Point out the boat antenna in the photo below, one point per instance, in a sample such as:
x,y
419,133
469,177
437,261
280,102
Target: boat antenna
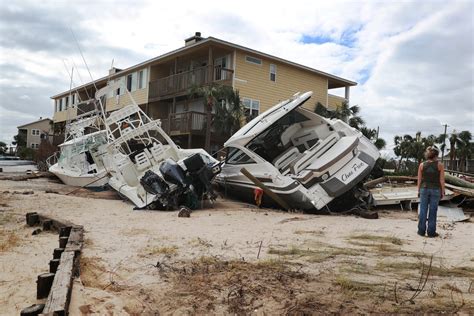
x,y
88,70
70,76
83,59
80,78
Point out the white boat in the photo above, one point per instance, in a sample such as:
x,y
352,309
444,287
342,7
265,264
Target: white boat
x,y
147,167
306,159
78,162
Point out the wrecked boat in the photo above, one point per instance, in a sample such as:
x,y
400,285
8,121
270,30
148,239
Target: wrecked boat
x,y
305,159
77,163
147,167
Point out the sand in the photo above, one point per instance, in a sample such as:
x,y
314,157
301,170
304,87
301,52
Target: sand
x,y
149,262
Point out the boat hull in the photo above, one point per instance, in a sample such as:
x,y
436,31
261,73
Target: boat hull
x,y
87,180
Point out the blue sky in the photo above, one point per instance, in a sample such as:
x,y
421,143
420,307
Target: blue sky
x,y
413,60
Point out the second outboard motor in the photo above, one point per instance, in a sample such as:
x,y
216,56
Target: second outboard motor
x,y
194,163
173,173
153,184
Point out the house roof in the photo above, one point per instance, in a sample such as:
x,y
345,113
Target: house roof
x,y
337,81
34,122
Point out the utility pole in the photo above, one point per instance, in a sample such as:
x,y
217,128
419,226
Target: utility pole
x,y
444,143
377,137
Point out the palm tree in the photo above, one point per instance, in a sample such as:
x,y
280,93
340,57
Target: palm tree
x,y
453,141
403,147
380,143
227,107
465,148
344,112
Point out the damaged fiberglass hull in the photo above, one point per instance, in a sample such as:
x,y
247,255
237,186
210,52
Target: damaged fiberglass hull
x,y
147,167
305,159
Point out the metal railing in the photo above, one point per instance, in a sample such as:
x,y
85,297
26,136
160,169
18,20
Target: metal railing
x,y
185,122
183,81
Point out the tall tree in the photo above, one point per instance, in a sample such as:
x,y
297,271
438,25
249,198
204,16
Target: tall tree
x,y
465,148
344,112
3,148
349,114
453,143
227,108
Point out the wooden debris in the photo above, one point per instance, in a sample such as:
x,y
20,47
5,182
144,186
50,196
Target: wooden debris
x,y
32,310
59,297
43,285
32,219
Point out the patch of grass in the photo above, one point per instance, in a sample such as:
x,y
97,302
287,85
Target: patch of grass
x,y
167,251
8,240
451,287
7,218
310,232
453,272
384,239
400,266
238,286
354,287
381,248
269,263
321,254
199,242
355,267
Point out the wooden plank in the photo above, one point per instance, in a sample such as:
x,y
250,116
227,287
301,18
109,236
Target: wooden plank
x,y
75,240
59,296
269,192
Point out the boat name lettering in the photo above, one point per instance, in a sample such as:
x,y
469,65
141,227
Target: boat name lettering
x,y
345,176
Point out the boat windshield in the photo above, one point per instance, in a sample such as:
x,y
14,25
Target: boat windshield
x,y
147,139
268,143
81,146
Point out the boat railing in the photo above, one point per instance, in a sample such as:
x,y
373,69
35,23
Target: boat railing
x,y
53,159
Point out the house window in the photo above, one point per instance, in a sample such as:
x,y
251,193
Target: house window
x,y
251,107
273,72
35,132
253,60
120,91
67,102
142,77
60,104
34,145
129,82
73,99
236,156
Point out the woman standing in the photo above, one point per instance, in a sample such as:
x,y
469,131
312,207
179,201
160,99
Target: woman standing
x,y
430,190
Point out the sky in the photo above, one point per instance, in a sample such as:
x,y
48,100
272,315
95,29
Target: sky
x,y
413,60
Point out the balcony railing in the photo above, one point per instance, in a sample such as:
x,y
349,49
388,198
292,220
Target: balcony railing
x,y
183,81
185,123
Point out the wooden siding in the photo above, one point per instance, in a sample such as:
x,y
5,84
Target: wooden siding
x,y
253,81
140,96
62,116
335,101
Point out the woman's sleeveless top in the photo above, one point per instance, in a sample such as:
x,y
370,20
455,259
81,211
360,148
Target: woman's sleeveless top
x,y
430,175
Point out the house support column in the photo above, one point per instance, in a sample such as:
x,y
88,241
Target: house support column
x,y
347,93
210,63
190,139
207,143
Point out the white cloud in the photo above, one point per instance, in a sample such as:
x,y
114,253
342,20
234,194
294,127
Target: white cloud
x,y
413,60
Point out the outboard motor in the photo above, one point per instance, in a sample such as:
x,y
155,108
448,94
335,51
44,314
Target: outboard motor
x,y
194,163
154,184
173,173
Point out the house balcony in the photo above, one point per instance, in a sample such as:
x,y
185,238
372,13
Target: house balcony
x,y
185,123
179,84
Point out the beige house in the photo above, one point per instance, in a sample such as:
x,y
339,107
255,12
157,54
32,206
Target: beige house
x,y
36,131
161,85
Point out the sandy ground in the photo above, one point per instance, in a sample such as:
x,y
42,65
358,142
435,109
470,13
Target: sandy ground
x,y
233,258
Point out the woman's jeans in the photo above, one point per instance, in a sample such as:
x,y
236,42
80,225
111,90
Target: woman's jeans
x,y
429,199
